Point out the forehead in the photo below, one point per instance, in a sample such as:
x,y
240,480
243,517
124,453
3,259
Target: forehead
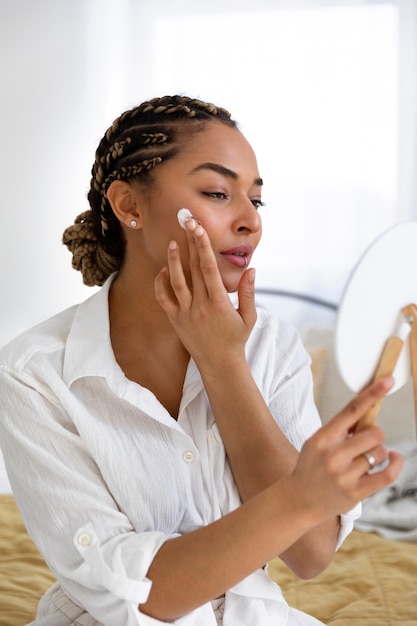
x,y
221,144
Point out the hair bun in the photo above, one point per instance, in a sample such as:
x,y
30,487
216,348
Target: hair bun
x,y
88,255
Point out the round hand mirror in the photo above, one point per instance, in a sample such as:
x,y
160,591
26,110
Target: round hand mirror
x,y
382,283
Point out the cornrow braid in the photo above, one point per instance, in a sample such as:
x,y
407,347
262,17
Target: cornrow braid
x,y
135,143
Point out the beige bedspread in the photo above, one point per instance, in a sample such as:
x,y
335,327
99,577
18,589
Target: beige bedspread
x,y
24,576
371,582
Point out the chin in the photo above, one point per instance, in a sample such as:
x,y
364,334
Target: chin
x,y
231,284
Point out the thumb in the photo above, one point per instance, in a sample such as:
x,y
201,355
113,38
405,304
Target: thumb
x,y
246,297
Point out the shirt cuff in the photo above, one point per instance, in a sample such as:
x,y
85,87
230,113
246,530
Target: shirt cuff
x,y
115,570
346,523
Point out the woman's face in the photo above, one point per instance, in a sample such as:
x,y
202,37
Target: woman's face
x,y
215,176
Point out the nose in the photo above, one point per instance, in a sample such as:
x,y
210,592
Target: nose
x,y
247,219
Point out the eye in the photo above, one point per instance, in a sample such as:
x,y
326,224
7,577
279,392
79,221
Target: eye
x,y
258,204
218,195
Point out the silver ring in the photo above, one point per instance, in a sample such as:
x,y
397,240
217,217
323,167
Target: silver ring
x,y
370,458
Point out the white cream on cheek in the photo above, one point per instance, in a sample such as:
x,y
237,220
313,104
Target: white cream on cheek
x,y
183,216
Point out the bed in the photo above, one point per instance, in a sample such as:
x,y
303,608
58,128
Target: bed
x,y
372,580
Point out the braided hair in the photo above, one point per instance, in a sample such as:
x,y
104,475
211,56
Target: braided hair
x,y
135,143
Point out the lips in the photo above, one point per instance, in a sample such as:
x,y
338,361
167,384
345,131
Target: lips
x,y
239,256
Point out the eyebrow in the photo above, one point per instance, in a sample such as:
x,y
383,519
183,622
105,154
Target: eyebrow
x,y
224,171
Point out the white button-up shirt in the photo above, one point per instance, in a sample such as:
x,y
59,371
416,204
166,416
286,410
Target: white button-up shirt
x,y
103,475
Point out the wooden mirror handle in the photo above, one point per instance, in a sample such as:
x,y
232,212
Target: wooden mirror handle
x,y
386,367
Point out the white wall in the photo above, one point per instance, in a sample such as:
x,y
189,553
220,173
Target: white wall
x,y
63,73
69,67
44,157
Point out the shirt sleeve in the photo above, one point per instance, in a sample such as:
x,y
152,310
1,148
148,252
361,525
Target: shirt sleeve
x,y
292,403
88,543
290,395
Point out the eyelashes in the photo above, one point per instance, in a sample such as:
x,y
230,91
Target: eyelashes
x,y
220,195
217,195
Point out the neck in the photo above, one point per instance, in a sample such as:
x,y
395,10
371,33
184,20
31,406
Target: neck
x,y
144,342
133,309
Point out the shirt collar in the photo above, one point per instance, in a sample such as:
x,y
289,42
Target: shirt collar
x,y
88,350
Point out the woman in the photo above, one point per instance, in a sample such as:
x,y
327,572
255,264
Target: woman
x,y
152,433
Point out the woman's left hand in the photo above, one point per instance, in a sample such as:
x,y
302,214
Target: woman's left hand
x,y
209,326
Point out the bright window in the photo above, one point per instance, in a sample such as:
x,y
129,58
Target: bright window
x,y
316,92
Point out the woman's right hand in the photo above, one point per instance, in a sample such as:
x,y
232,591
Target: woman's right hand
x,y
332,473
211,329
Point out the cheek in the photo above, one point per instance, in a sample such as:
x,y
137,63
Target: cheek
x,y
160,228
214,227
259,234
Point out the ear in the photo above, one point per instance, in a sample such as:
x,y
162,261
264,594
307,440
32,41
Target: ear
x,y
125,202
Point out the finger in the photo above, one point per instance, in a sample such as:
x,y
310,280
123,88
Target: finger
x,y
367,484
370,483
177,278
368,441
372,458
369,416
246,298
163,292
346,420
343,456
190,228
205,272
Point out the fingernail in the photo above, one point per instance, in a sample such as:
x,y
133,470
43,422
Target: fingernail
x,y
199,231
172,245
191,224
387,382
251,275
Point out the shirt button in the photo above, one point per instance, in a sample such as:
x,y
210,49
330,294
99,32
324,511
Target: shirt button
x,y
84,539
188,456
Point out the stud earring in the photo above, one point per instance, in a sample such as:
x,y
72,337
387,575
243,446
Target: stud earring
x,y
133,223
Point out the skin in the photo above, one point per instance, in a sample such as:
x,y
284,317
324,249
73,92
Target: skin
x,y
170,300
